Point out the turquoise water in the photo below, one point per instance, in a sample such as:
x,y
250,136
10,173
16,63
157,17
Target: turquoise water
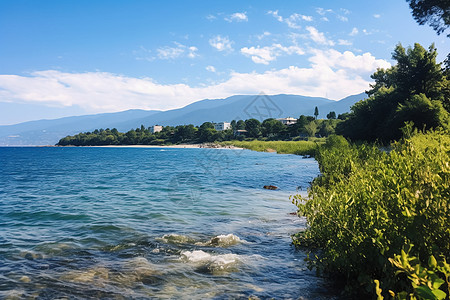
x,y
121,223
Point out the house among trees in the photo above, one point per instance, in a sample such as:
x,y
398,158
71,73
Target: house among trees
x,y
222,126
287,121
156,128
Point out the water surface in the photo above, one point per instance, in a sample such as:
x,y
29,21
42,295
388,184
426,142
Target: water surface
x,y
121,223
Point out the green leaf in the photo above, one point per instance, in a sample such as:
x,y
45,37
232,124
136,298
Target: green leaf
x,y
439,294
437,283
425,292
432,262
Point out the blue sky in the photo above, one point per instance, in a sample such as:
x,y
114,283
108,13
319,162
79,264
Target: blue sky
x,y
60,58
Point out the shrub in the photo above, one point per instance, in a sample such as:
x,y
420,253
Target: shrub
x,y
368,204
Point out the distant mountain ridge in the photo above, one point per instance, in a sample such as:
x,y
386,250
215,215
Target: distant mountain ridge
x,y
48,132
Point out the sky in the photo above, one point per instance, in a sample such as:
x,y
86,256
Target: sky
x,y
74,57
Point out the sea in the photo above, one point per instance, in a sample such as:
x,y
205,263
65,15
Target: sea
x,y
152,223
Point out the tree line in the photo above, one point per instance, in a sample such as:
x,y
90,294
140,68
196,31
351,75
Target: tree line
x,y
269,129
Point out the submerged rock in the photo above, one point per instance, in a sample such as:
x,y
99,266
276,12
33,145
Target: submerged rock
x,y
270,187
25,279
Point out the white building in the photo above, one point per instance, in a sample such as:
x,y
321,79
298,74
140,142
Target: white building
x,y
222,126
156,128
288,121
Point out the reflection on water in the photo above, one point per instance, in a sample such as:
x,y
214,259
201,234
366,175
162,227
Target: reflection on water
x,y
89,223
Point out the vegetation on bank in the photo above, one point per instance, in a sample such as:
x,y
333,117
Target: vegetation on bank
x,y
378,216
269,129
283,147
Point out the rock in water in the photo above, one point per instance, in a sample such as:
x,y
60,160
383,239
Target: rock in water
x,y
270,187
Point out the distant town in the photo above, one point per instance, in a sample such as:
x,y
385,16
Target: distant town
x,y
287,128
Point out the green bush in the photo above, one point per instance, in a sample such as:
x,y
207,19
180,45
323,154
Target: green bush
x,y
369,204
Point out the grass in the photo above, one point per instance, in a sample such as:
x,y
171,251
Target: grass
x,y
282,147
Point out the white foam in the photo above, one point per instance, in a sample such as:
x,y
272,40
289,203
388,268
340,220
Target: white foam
x,y
223,241
212,262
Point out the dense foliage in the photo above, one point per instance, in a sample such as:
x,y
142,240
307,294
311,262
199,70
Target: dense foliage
x,y
417,89
269,129
379,217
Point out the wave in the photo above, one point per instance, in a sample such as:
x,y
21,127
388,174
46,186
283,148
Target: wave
x,y
215,264
223,241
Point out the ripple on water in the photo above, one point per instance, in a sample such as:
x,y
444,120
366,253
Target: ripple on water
x,y
105,223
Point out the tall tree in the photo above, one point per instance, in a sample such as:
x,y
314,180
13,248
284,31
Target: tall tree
x,y
413,90
316,112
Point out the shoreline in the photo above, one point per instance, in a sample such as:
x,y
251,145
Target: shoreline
x,y
180,146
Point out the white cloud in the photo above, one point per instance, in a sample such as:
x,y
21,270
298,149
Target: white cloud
x,y
267,54
274,13
361,64
318,37
221,43
192,52
321,11
367,32
377,16
331,73
211,69
354,31
166,53
143,54
211,17
292,20
238,17
345,11
344,42
325,19
169,52
342,18
263,35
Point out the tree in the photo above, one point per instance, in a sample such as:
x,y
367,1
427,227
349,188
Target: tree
x,y
311,128
393,98
434,12
422,111
233,125
206,132
184,133
253,127
316,112
240,125
271,127
331,115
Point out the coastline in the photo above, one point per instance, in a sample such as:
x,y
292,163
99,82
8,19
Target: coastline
x,y
180,146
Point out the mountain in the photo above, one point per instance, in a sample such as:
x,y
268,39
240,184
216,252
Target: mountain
x,y
48,132
340,106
